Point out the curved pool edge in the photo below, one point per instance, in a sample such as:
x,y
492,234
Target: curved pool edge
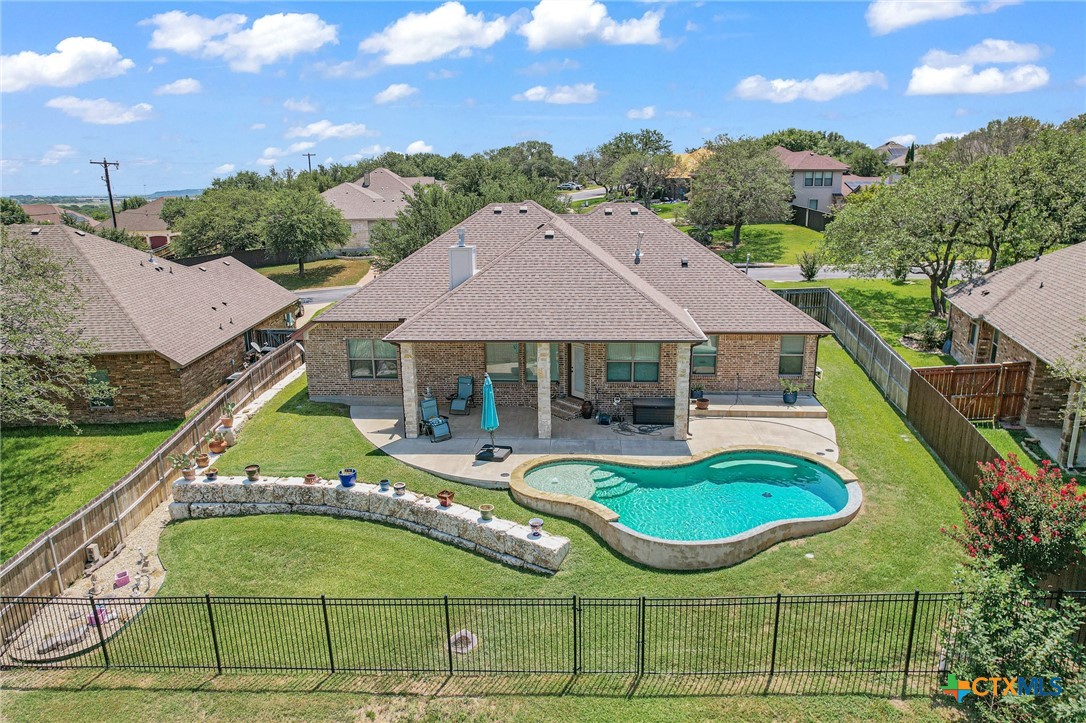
x,y
682,554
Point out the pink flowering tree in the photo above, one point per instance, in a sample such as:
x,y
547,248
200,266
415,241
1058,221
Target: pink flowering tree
x,y
1035,520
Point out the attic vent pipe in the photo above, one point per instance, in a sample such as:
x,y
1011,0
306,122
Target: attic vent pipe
x,y
637,254
460,237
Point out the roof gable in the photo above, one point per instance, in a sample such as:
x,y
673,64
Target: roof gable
x,y
377,195
147,217
807,160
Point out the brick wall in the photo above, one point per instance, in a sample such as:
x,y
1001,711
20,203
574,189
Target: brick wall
x,y
755,358
146,389
959,323
207,375
326,361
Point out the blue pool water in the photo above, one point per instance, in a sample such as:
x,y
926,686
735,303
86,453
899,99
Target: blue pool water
x,y
717,497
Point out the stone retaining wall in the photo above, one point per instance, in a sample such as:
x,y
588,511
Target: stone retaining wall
x,y
502,540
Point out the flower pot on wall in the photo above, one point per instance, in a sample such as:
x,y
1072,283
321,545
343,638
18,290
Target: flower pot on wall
x,y
211,473
252,472
202,460
311,479
227,422
445,497
399,489
189,474
486,512
347,476
217,446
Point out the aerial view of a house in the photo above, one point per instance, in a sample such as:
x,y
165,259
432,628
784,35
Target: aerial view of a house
x,y
816,179
146,221
376,196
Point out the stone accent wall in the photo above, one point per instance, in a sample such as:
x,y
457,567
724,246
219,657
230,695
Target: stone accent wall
x,y
326,361
146,389
755,358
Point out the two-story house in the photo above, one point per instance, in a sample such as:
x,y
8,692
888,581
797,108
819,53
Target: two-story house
x,y
816,180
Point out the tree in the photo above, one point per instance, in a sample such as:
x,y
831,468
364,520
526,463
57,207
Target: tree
x,y
535,159
589,167
644,172
826,143
910,158
995,195
301,223
11,212
866,162
431,212
174,209
739,181
116,235
614,156
998,138
45,361
133,202
224,219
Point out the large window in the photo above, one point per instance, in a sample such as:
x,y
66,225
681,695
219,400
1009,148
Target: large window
x,y
630,362
973,328
818,178
503,361
104,401
813,204
703,357
372,359
791,362
529,361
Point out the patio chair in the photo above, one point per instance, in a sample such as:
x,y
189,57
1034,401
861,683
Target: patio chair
x,y
461,400
431,422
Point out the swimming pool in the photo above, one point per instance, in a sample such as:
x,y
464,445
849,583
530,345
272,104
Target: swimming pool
x,y
714,510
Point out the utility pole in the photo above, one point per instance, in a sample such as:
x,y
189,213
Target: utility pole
x,y
309,159
109,189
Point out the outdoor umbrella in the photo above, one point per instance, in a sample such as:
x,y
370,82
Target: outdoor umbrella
x,y
490,409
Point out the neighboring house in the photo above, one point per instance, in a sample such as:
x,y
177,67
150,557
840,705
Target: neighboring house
x,y
893,154
51,213
850,184
615,303
146,221
816,180
168,335
677,183
377,196
1033,311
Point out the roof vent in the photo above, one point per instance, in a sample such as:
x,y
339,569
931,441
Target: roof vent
x,y
80,233
497,210
523,209
633,211
608,211
225,263
637,253
35,231
201,268
685,263
549,233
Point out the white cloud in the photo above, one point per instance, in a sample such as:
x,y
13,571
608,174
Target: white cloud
x,y
692,27
418,147
886,16
986,52
272,153
447,30
224,169
1080,80
269,39
962,112
258,126
964,79
76,60
8,165
679,114
905,139
573,23
56,154
442,74
395,92
645,113
823,87
300,105
100,111
561,94
325,129
368,152
551,66
184,86
939,137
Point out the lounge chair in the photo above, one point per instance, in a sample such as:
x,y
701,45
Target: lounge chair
x,y
461,400
431,422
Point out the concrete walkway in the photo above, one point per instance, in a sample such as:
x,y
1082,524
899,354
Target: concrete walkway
x,y
454,459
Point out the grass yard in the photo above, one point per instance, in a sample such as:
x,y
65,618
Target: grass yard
x,y
886,305
1007,443
777,243
318,274
49,473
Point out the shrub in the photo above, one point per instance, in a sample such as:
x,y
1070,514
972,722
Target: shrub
x,y
701,235
1033,520
810,263
929,334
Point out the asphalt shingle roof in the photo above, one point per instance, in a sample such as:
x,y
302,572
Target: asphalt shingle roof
x,y
385,194
807,160
51,213
1040,303
179,312
143,219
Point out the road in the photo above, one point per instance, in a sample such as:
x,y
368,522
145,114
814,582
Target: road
x,y
585,195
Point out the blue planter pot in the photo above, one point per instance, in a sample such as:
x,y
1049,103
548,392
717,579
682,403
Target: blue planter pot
x,y
347,476
791,397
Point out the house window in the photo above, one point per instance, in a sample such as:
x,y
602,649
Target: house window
x,y
813,204
973,330
633,362
503,361
791,361
995,346
372,359
529,361
106,400
703,357
818,178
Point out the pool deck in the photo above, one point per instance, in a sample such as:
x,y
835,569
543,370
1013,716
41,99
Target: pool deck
x,y
454,459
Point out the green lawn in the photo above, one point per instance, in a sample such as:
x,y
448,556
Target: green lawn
x,y
318,274
1006,443
669,210
49,473
886,305
778,243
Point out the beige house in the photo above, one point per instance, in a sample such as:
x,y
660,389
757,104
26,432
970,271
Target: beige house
x,y
612,305
816,180
893,154
146,221
1033,311
377,196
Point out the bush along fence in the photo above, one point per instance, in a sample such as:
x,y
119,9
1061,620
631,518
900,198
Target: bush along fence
x,y
897,643
53,561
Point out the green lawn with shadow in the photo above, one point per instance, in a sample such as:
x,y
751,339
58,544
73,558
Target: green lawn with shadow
x,y
318,274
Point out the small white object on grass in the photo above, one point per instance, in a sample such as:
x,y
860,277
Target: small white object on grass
x,y
809,555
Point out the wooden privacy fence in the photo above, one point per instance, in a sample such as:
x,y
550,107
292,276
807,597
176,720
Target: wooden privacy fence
x,y
885,366
982,391
54,560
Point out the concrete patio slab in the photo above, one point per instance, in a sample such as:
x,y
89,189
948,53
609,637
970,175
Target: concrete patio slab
x,y
454,459
1049,439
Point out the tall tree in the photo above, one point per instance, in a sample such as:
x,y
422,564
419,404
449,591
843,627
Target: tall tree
x,y
11,212
225,219
739,181
46,358
133,202
589,167
644,172
866,162
301,223
431,212
826,143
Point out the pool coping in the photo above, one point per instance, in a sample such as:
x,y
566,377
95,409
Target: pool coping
x,y
683,554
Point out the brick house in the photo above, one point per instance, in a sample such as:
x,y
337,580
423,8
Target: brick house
x,y
146,221
1033,311
614,303
377,196
168,335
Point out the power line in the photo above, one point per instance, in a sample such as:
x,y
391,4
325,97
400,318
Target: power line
x,y
109,189
309,159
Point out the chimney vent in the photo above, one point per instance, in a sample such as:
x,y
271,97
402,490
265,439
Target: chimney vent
x,y
35,231
637,253
461,261
366,180
497,210
608,211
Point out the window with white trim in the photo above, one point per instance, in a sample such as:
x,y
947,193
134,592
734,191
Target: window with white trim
x,y
372,359
633,362
974,328
791,359
703,357
818,178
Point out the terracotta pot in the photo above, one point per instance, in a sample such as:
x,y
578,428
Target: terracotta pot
x,y
202,460
445,497
702,403
227,421
252,472
189,474
311,479
217,447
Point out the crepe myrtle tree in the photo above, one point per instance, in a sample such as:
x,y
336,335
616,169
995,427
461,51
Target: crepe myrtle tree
x,y
301,223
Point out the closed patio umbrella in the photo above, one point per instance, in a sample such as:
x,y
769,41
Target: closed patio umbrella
x,y
490,409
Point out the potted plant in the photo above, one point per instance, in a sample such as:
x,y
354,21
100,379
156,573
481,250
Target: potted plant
x,y
697,391
216,442
211,473
202,459
445,497
701,403
347,476
184,464
487,512
228,414
791,390
252,472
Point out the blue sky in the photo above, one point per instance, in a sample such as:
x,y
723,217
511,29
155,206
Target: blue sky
x,y
181,92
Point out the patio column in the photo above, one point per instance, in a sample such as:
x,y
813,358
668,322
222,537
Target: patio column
x,y
543,388
682,391
410,391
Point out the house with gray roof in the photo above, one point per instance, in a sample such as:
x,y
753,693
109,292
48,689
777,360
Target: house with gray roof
x,y
167,335
613,304
377,196
1033,311
146,221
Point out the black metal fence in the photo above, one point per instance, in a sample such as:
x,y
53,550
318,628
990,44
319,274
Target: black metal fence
x,y
896,642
